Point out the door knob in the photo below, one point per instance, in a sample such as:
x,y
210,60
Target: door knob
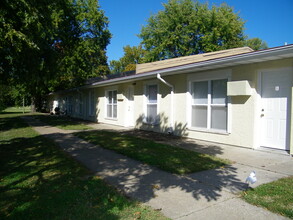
x,y
262,115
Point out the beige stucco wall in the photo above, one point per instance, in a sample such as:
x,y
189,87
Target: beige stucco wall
x,y
291,126
249,114
122,101
164,103
240,116
54,101
244,112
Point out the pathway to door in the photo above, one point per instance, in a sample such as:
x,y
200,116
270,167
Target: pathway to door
x,y
210,194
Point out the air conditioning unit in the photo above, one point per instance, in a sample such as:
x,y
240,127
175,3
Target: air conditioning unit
x,y
238,88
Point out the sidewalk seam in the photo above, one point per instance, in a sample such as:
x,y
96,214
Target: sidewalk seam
x,y
190,213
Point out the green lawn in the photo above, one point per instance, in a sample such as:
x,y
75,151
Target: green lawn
x,y
165,157
9,110
39,181
63,122
275,196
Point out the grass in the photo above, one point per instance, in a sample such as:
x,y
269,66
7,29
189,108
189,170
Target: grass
x,y
19,109
276,196
39,181
165,157
63,122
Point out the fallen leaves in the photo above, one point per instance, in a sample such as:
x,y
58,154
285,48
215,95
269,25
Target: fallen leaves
x,y
137,215
155,186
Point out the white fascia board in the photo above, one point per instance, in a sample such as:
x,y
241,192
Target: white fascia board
x,y
254,56
245,58
124,79
250,57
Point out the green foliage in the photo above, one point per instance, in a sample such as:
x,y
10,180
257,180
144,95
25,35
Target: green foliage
x,y
256,44
116,66
39,181
48,45
12,95
165,157
87,57
132,56
4,97
186,27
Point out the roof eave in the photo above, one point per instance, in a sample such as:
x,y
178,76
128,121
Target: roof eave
x,y
246,58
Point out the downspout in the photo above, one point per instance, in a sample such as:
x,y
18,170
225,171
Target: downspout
x,y
171,128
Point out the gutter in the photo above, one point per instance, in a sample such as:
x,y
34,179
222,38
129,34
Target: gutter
x,y
171,128
274,52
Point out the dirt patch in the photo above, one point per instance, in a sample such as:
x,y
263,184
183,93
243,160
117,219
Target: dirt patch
x,y
176,141
155,136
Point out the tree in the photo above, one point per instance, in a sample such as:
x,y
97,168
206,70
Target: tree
x,y
132,56
28,30
256,44
185,28
4,97
116,66
48,45
86,58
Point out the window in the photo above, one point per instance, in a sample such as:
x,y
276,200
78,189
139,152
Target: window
x,y
151,103
111,104
209,105
91,103
76,105
70,105
80,104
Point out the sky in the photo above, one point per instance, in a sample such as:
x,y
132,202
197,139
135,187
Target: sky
x,y
269,20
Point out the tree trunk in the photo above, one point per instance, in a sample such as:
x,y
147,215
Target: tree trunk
x,y
23,105
33,105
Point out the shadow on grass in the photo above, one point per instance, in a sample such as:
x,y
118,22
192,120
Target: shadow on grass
x,y
164,156
39,181
63,122
138,179
12,113
176,141
7,122
38,184
15,110
144,182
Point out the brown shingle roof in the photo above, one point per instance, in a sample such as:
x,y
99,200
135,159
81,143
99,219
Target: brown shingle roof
x,y
147,67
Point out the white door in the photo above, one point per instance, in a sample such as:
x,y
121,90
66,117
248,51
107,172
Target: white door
x,y
275,111
130,107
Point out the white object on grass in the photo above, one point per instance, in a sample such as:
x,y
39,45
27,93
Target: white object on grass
x,y
251,178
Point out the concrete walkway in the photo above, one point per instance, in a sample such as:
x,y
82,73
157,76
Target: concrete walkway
x,y
209,194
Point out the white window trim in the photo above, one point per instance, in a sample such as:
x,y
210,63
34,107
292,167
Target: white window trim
x,y
208,76
145,100
106,104
91,102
